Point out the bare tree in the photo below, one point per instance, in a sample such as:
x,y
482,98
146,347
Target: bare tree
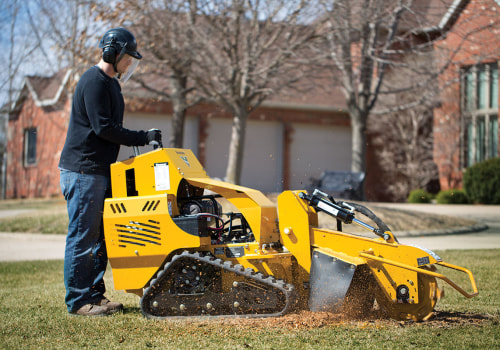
x,y
66,33
19,47
361,39
405,141
404,137
247,51
43,37
163,29
367,39
449,152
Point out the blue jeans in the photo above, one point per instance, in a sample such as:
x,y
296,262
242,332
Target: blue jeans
x,y
85,258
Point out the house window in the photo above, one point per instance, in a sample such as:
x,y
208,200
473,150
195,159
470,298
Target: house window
x,y
479,113
29,146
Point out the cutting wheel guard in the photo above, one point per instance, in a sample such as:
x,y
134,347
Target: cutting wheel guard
x,y
344,213
432,273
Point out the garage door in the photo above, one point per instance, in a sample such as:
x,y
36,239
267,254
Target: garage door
x,y
316,148
262,163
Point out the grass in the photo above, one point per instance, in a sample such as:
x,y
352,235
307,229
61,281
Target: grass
x,y
43,216
34,317
39,223
49,216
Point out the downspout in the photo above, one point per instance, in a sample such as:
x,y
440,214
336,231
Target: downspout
x,y
4,174
4,155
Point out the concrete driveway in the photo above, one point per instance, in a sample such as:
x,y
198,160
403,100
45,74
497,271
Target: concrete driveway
x,y
483,214
20,246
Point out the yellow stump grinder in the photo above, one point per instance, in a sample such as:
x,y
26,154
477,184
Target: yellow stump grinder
x,y
170,242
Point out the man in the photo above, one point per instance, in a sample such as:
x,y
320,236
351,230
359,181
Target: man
x,y
95,133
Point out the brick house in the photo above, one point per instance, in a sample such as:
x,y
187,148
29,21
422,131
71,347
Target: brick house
x,y
35,136
281,150
466,123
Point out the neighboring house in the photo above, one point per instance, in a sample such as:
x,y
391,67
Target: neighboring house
x,y
36,131
287,141
466,124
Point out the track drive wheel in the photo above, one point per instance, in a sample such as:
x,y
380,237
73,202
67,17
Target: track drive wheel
x,y
192,285
428,295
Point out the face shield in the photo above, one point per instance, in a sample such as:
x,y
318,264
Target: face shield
x,y
125,76
125,65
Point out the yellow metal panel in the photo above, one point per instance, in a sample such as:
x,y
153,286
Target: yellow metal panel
x,y
353,260
181,163
132,279
140,234
353,245
185,162
295,219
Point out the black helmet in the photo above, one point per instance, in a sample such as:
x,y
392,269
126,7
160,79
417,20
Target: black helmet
x,y
117,42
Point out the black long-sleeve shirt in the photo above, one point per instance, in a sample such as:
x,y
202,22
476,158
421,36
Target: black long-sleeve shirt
x,y
95,130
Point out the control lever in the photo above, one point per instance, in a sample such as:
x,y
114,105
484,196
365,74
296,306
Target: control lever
x,y
154,143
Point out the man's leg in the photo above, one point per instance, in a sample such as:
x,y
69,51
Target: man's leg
x,y
85,255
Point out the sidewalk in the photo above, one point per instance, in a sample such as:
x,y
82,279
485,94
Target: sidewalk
x,y
485,234
480,213
29,246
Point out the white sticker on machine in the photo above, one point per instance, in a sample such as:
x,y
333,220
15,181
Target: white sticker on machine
x,y
162,177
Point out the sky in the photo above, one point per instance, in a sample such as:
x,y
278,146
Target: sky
x,y
23,50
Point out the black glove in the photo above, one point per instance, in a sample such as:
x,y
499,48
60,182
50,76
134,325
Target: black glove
x,y
153,135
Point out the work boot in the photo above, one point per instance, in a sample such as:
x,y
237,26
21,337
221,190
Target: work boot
x,y
92,310
111,306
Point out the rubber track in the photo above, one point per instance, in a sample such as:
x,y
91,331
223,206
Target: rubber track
x,y
287,289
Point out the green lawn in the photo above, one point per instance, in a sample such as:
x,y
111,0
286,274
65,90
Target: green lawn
x,y
44,216
33,316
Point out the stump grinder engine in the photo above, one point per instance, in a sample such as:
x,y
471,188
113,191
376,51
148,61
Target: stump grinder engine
x,y
169,242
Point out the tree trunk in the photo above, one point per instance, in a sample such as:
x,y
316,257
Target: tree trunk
x,y
236,147
358,126
178,84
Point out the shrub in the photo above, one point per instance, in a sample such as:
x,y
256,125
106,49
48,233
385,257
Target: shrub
x,y
482,182
453,196
419,196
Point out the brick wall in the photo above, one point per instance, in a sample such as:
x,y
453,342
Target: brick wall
x,y
473,39
42,178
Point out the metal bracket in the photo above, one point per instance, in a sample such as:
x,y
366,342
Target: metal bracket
x,y
330,279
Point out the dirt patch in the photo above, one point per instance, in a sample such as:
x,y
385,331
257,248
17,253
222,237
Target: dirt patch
x,y
313,320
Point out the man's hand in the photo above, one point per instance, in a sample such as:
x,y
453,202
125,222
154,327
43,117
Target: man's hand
x,y
153,135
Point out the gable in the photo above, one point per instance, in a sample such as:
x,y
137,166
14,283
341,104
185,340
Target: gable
x,y
47,91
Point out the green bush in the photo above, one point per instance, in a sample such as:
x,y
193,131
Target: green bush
x,y
419,196
482,182
453,196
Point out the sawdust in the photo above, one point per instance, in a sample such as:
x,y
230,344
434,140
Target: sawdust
x,y
314,320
